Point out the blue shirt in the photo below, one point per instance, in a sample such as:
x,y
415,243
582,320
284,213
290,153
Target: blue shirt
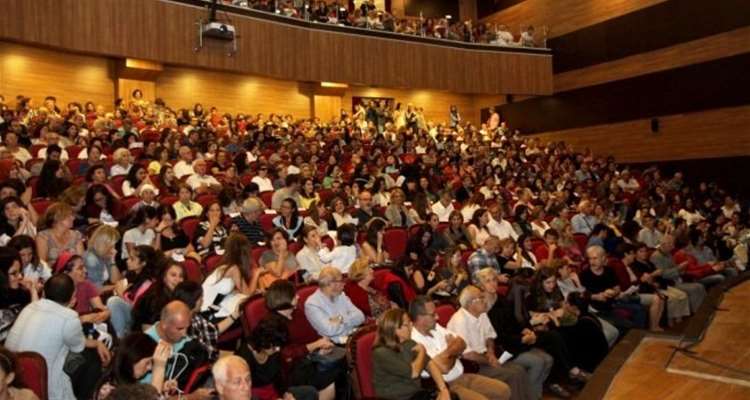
x,y
320,309
583,223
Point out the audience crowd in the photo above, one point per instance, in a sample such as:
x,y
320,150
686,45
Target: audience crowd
x,y
137,245
368,16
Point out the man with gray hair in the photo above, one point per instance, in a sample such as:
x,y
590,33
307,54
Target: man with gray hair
x,y
584,222
330,311
248,222
232,378
471,323
664,262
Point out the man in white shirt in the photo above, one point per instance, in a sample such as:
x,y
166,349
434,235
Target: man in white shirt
x,y
184,166
627,183
199,181
498,226
444,207
471,323
648,235
444,348
51,328
262,180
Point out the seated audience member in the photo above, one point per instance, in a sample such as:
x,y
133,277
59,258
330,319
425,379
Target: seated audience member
x,y
289,219
396,213
343,255
185,206
648,277
370,301
521,222
702,265
445,348
339,215
172,328
33,268
143,232
137,356
167,182
584,222
261,350
669,270
52,179
278,262
584,337
550,254
231,282
478,228
248,222
317,215
444,207
330,311
100,256
147,197
137,177
372,247
142,266
456,234
100,206
262,180
210,234
15,291
498,226
366,211
599,236
121,162
472,325
59,235
172,239
649,235
308,257
31,332
15,220
202,329
89,304
601,283
308,195
290,191
146,310
281,301
184,166
10,388
200,181
486,257
398,362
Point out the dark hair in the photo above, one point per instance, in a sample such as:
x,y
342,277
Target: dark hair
x,y
49,185
551,232
59,288
418,306
99,189
347,234
188,292
92,169
295,213
21,242
140,391
133,348
280,295
204,214
8,363
376,225
8,256
237,252
291,179
132,175
477,216
579,300
270,332
71,262
154,260
599,228
144,213
4,202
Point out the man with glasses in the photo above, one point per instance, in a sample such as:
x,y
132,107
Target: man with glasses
x,y
444,348
473,325
330,312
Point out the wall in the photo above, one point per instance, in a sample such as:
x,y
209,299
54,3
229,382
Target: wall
x,y
722,132
37,73
183,87
564,16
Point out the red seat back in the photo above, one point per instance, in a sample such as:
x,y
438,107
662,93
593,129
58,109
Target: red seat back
x,y
582,240
193,270
384,277
197,378
115,182
359,354
266,197
253,312
206,200
32,372
168,200
623,277
328,242
40,205
445,311
266,221
303,332
189,225
256,253
394,241
211,262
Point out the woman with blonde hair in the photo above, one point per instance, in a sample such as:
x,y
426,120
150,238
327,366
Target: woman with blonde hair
x,y
59,235
369,300
100,256
397,213
120,162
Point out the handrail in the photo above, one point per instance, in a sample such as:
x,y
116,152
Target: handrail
x,y
283,19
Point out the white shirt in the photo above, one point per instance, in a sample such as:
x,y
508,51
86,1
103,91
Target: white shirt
x,y
182,168
138,238
468,211
435,344
474,331
502,229
264,184
195,181
309,260
690,217
442,211
341,257
43,154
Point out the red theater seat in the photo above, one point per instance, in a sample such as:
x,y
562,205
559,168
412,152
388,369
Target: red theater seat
x,y
359,355
32,372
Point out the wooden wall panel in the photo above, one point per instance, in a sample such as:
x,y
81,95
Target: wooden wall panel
x,y
234,93
564,16
327,107
716,133
166,32
37,73
697,51
125,88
